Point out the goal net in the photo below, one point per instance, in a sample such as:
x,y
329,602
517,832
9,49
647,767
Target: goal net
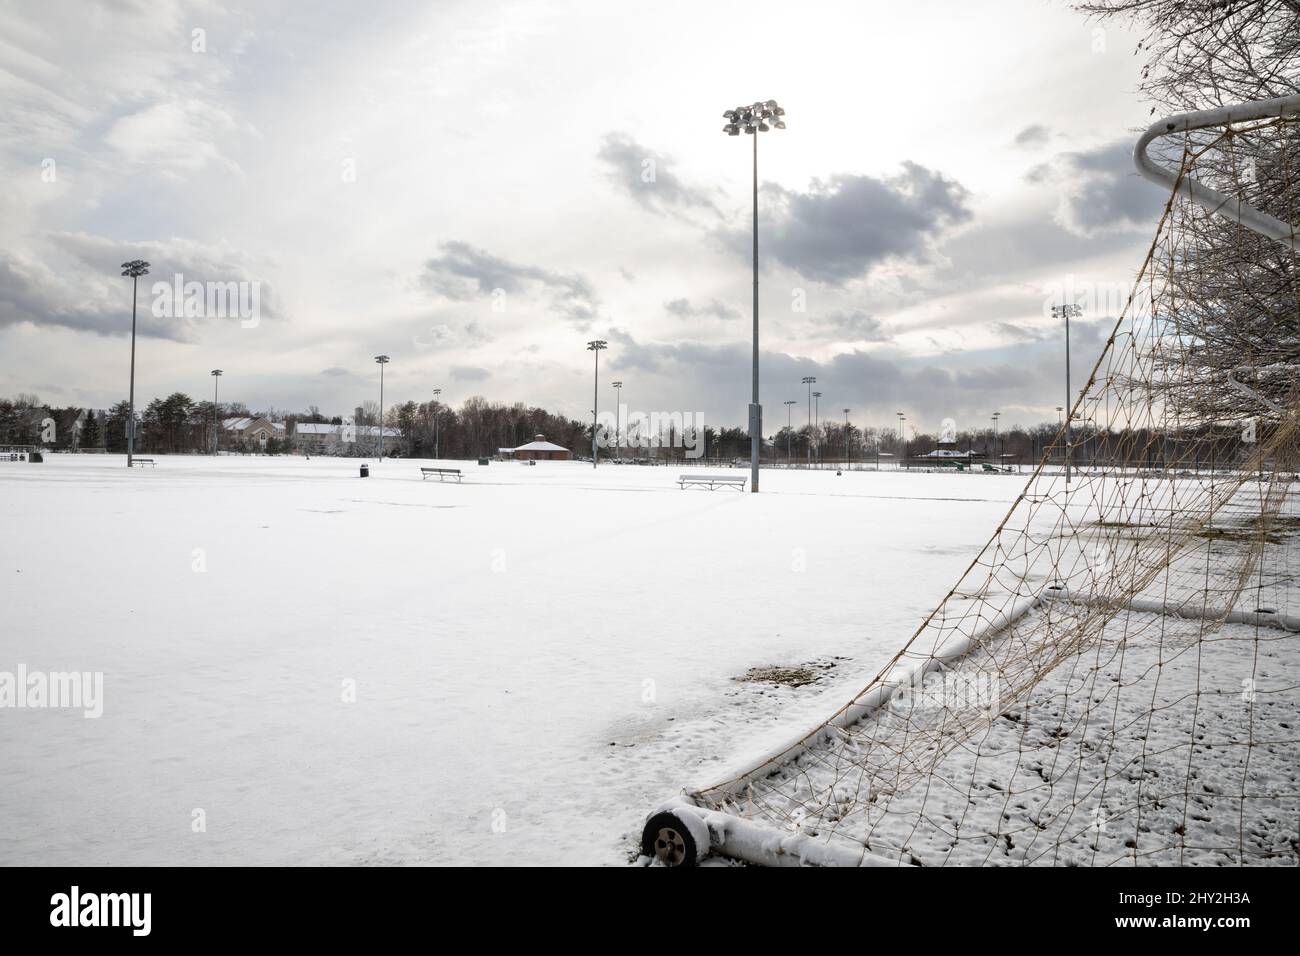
x,y
1113,680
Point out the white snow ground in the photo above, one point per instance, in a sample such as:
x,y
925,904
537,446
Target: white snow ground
x,y
540,654
1168,740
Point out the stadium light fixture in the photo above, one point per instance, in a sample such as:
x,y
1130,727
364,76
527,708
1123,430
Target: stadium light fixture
x,y
381,360
846,437
758,117
810,381
1067,312
618,413
216,377
596,345
135,269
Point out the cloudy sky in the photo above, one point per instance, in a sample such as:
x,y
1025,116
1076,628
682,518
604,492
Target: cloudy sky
x,y
478,188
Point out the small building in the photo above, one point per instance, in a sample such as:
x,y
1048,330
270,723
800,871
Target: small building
x,y
539,449
314,438
252,432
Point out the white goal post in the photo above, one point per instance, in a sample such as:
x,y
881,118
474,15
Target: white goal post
x,y
1202,195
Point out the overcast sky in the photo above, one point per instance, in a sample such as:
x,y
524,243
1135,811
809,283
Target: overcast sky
x,y
463,186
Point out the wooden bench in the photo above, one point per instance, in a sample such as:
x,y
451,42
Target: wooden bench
x,y
143,461
712,481
442,473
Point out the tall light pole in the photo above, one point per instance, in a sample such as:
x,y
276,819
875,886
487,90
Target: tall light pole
x,y
381,360
595,346
135,269
437,414
810,381
1067,312
996,436
618,412
754,120
216,377
817,423
846,437
902,438
789,429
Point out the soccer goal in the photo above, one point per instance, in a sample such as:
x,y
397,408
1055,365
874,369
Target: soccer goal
x,y
1113,679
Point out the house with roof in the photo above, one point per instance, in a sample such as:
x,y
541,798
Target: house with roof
x,y
252,432
539,449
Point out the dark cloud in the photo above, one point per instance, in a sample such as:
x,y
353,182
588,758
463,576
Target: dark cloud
x,y
469,373
1021,332
464,272
648,178
685,309
447,334
73,281
1101,192
1032,136
844,226
335,371
873,384
852,325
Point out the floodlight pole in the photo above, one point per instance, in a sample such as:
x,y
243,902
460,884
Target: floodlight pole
x,y
997,447
1065,312
817,423
216,377
846,438
789,430
595,346
1069,436
135,268
755,409
809,380
381,361
754,120
618,417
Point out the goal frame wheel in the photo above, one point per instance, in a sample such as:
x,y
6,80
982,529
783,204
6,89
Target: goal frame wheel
x,y
675,838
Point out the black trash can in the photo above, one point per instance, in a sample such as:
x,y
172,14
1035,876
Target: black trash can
x,y
35,457
482,461
365,471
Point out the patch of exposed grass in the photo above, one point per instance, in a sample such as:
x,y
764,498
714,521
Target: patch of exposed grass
x,y
787,676
1239,535
797,676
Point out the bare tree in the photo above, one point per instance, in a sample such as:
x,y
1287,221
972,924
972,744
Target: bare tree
x,y
1228,304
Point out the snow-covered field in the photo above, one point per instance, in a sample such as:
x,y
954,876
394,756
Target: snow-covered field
x,y
510,670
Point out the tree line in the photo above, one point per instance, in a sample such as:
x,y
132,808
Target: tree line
x,y
177,424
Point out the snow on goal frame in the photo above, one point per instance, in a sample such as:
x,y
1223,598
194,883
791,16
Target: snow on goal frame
x,y
1113,678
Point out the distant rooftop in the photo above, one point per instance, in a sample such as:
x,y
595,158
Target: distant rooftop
x,y
318,428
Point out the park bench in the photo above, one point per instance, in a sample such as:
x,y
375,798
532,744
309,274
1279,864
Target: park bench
x,y
144,461
712,481
442,473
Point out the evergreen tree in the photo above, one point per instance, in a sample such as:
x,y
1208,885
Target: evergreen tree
x,y
90,430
